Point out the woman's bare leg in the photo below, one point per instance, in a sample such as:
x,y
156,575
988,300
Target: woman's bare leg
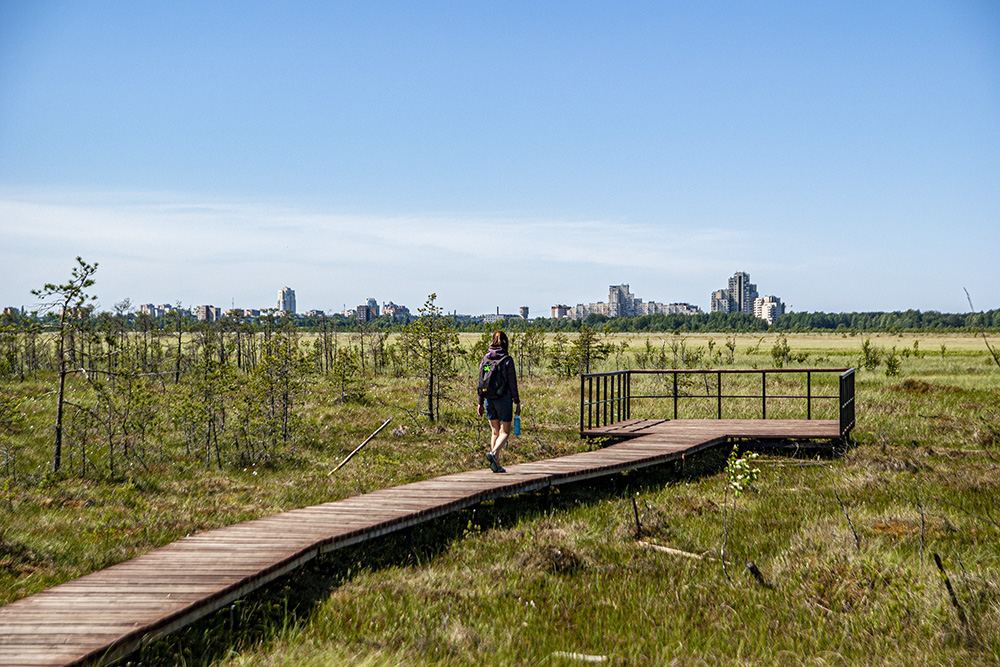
x,y
500,434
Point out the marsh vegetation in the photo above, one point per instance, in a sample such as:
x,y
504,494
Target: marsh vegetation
x,y
166,434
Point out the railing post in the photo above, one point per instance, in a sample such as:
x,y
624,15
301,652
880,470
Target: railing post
x,y
590,402
628,390
609,395
616,390
675,395
620,398
611,400
597,402
602,405
718,388
582,381
809,392
763,395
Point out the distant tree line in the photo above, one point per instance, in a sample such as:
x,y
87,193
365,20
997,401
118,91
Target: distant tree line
x,y
877,321
909,320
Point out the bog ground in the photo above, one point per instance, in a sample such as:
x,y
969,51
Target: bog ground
x,y
845,545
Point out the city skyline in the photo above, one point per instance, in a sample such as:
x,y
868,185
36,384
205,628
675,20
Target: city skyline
x,y
508,155
621,303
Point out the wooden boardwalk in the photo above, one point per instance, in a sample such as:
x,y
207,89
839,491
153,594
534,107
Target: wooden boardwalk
x,y
111,613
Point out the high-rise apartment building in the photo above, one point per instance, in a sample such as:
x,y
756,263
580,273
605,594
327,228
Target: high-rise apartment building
x,y
741,297
720,301
768,308
208,313
741,293
394,311
682,309
738,298
155,311
622,303
286,300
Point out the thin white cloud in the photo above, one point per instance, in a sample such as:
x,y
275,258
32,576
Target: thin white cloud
x,y
181,247
226,229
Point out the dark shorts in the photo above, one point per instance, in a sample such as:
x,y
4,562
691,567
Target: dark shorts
x,y
500,408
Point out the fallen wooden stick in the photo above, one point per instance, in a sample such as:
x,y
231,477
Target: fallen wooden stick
x,y
358,449
672,551
580,657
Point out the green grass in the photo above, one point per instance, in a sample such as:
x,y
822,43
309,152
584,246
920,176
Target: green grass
x,y
530,579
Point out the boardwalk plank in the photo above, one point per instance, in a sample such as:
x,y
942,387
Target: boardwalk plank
x,y
108,614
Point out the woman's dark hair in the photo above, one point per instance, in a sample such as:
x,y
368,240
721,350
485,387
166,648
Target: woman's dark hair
x,y
500,338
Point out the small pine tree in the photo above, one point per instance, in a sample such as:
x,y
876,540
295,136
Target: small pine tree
x,y
71,299
871,355
892,363
431,345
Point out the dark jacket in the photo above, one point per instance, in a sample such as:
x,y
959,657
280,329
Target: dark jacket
x,y
497,355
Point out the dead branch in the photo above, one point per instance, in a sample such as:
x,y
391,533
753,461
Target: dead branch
x,y
638,526
790,464
725,534
857,539
923,524
982,331
673,552
580,657
951,593
358,448
986,519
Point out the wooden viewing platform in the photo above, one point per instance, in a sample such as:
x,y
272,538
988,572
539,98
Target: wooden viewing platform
x,y
109,614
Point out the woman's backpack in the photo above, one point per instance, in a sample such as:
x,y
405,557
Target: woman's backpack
x,y
492,383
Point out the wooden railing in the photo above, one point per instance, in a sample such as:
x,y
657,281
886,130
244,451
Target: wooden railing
x,y
847,402
606,398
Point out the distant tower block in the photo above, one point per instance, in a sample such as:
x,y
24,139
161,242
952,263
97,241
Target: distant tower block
x,y
286,299
741,293
524,312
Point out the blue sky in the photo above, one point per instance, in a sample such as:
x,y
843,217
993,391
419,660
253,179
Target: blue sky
x,y
846,154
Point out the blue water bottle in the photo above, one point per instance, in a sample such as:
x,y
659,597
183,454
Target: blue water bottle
x,y
517,424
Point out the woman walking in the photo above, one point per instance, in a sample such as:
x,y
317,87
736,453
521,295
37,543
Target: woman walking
x,y
498,396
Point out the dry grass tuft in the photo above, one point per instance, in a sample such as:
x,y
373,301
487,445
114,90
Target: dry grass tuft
x,y
896,529
914,386
553,559
843,585
697,505
890,463
986,431
654,523
19,560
